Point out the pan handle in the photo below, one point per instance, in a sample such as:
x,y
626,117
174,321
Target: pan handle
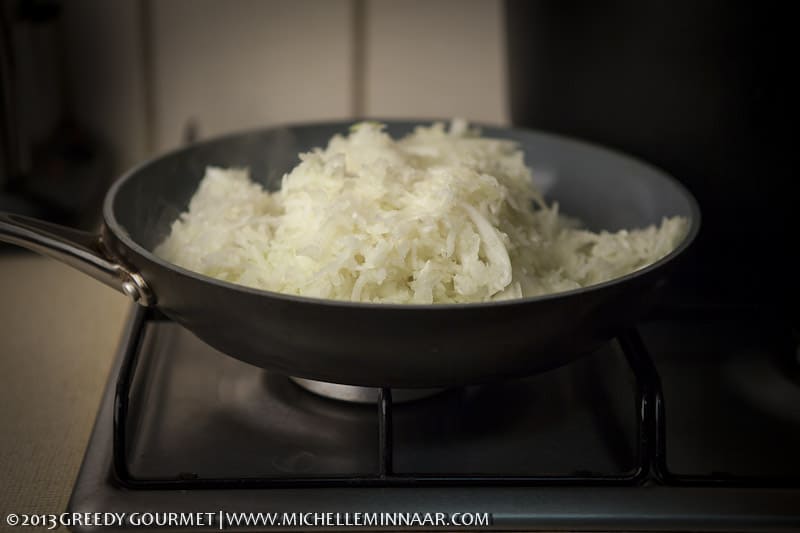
x,y
81,250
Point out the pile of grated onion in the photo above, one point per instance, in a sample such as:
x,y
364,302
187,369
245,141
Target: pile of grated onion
x,y
440,216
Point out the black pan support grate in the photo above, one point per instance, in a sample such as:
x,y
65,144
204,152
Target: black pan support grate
x,y
651,467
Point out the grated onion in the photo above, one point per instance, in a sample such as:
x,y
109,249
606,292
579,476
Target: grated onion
x,y
440,216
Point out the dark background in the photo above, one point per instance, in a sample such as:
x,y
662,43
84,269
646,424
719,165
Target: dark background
x,y
704,90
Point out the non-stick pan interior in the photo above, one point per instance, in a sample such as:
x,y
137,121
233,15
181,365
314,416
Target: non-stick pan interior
x,y
604,189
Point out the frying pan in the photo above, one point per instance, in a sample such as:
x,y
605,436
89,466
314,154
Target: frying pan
x,y
408,346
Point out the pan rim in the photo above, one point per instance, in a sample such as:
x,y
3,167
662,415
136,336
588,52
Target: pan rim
x,y
695,219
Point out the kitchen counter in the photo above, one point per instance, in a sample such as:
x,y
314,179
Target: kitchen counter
x,y
58,335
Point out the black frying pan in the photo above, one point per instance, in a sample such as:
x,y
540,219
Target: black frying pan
x,y
372,344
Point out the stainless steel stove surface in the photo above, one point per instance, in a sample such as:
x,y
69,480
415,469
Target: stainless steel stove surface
x,y
691,422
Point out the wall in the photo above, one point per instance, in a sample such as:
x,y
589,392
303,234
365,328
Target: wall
x,y
147,74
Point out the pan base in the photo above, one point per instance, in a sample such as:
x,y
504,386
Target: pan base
x,y
354,394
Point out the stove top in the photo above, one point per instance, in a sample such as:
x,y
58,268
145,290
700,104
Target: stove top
x,y
689,422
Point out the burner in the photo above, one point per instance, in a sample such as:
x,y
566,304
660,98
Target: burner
x,y
351,393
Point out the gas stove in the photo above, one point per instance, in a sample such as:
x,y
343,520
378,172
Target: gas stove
x,y
690,421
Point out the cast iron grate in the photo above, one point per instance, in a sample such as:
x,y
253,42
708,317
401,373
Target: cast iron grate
x,y
650,467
